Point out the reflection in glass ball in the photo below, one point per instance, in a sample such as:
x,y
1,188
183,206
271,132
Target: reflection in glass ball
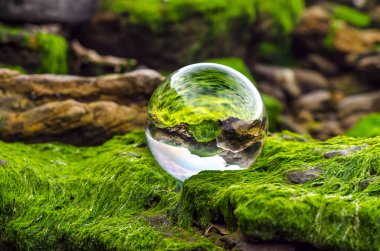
x,y
205,117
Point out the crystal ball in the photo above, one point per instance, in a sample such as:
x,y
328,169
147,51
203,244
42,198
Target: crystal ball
x,y
205,117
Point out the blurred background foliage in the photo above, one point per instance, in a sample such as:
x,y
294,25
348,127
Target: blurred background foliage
x,y
310,59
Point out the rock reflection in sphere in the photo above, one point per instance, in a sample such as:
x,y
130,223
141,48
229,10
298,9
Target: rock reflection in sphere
x,y
205,117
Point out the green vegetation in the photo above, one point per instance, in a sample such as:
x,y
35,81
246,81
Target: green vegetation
x,y
114,196
368,126
351,16
55,196
52,47
54,50
274,109
18,68
205,131
339,209
221,23
156,13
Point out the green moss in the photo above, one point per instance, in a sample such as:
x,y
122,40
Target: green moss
x,y
115,197
52,47
55,196
205,131
282,14
351,16
274,109
334,210
18,68
367,126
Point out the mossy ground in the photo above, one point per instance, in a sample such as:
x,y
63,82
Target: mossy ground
x,y
114,196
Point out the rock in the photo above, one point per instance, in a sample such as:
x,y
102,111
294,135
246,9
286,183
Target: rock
x,y
298,177
233,30
52,11
280,76
126,202
123,88
326,129
312,28
292,81
365,183
351,40
314,101
3,162
368,64
343,152
309,80
72,122
33,50
323,64
289,124
359,103
71,109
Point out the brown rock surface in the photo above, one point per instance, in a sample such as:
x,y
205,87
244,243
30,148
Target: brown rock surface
x,y
36,108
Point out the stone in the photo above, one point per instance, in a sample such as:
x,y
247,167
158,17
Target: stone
x,y
343,152
72,122
52,11
359,103
282,77
312,28
323,64
72,109
297,177
314,101
351,40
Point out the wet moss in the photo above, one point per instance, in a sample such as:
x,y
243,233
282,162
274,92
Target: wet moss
x,y
55,196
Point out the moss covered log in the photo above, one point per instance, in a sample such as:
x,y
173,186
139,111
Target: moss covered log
x,y
114,196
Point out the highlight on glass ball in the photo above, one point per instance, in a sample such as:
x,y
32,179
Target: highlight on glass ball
x,y
205,117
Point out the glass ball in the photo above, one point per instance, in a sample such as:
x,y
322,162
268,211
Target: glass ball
x,y
205,117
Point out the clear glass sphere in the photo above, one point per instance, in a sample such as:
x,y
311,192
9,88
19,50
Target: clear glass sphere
x,y
205,117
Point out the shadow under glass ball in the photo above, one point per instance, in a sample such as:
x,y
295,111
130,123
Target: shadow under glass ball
x,y
205,117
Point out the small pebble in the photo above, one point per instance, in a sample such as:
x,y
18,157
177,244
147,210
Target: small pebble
x,y
342,152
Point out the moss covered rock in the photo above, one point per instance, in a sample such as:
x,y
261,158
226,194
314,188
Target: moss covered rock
x,y
35,51
114,196
182,31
